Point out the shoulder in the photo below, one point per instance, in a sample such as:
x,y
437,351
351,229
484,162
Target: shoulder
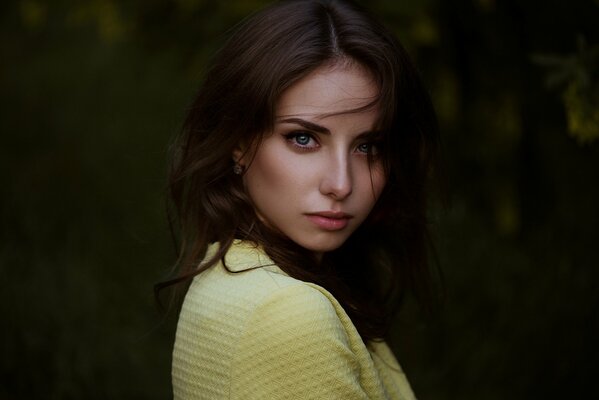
x,y
262,295
270,336
299,343
298,305
296,343
247,279
259,304
248,287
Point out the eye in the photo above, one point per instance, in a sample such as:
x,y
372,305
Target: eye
x,y
303,140
368,148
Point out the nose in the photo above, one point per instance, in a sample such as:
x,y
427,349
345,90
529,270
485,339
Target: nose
x,y
336,179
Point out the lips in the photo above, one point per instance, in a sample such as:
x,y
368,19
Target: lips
x,y
330,220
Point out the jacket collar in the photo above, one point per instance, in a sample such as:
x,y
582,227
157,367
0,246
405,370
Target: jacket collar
x,y
244,255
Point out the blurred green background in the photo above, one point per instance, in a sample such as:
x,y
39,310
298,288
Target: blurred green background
x,y
93,91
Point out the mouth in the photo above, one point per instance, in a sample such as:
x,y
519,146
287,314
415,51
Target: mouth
x,y
330,220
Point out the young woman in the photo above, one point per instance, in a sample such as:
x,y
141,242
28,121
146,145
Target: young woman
x,y
300,181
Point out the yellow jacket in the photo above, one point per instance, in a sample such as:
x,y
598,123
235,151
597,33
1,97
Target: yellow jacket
x,y
260,334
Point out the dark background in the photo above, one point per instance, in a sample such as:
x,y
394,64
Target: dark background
x,y
92,92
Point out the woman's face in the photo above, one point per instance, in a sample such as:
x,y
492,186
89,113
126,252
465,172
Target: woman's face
x,y
310,179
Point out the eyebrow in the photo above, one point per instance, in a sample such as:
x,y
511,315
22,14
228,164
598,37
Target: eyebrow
x,y
307,124
321,129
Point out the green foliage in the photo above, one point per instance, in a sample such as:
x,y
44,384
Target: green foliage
x,y
577,75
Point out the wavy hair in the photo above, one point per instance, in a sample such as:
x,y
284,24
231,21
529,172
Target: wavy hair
x,y
236,103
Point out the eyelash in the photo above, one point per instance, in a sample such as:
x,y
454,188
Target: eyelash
x,y
292,139
374,149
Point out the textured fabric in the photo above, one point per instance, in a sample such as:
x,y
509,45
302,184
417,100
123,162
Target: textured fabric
x,y
256,333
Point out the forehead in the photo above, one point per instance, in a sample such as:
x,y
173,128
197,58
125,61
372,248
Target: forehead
x,y
328,90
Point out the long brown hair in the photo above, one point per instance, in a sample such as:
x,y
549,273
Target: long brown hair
x,y
265,55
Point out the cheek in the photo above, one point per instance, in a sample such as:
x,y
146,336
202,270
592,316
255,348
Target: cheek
x,y
372,183
379,181
268,176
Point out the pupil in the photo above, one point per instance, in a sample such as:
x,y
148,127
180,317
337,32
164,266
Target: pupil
x,y
303,139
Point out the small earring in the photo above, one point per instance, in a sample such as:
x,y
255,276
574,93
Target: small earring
x,y
237,169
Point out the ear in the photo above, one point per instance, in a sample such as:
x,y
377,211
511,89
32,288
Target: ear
x,y
238,155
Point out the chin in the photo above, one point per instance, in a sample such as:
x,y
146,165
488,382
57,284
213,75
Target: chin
x,y
320,244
